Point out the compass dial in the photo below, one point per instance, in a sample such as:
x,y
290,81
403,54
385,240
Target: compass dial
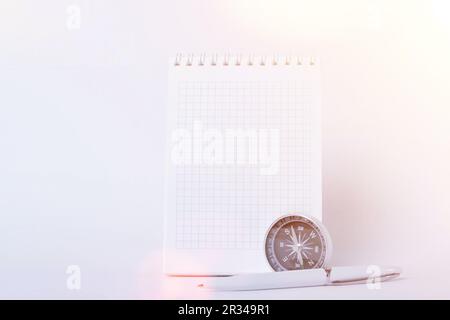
x,y
297,242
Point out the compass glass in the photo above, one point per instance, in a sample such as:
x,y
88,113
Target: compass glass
x,y
295,243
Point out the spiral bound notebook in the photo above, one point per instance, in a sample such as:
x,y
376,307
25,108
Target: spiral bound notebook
x,y
244,148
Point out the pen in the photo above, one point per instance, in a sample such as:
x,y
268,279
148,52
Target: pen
x,y
302,278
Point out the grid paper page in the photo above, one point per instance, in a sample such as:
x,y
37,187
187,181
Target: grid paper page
x,y
251,153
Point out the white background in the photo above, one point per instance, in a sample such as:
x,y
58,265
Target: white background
x,y
82,137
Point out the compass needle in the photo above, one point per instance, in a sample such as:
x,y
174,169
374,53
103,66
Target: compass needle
x,y
300,237
306,240
293,237
305,254
299,257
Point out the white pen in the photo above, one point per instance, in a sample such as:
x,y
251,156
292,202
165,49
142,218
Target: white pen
x,y
302,278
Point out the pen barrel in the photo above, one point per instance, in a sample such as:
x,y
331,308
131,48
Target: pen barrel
x,y
270,280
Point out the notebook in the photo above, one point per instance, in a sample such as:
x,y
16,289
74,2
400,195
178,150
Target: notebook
x,y
244,148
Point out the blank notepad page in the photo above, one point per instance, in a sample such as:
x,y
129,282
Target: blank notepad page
x,y
244,148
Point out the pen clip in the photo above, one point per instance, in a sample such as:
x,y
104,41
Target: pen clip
x,y
381,278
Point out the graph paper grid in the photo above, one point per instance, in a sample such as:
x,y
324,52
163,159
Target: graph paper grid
x,y
228,206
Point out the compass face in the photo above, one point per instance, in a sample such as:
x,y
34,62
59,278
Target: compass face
x,y
297,242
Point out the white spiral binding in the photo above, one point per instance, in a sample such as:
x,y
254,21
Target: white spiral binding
x,y
239,59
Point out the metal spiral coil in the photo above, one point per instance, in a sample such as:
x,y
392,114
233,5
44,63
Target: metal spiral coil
x,y
239,60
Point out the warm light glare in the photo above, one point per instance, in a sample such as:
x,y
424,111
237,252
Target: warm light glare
x,y
288,15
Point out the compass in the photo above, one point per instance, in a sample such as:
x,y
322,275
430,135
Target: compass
x,y
296,242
